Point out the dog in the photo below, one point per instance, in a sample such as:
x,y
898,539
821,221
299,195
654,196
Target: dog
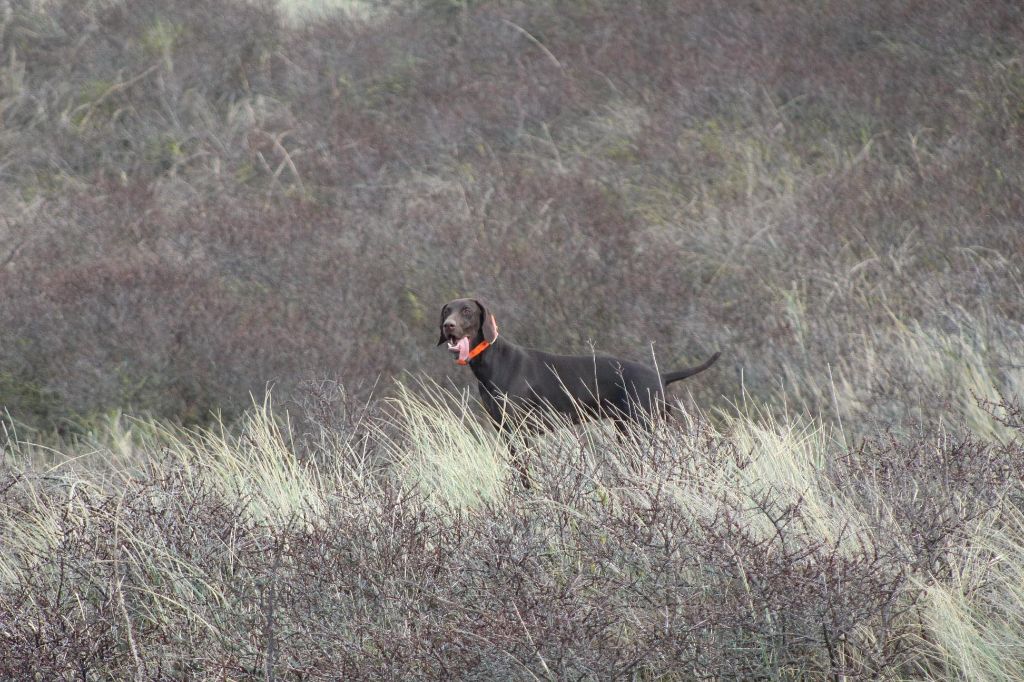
x,y
545,384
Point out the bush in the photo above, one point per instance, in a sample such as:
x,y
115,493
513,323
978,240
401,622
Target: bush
x,y
204,198
765,552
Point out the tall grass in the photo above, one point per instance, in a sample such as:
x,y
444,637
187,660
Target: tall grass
x,y
203,196
975,617
200,197
759,547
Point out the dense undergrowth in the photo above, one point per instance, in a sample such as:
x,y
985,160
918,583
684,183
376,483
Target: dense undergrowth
x,y
397,543
201,198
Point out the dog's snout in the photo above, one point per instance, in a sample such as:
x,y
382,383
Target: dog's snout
x,y
449,325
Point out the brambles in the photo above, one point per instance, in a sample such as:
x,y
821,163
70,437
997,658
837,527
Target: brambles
x,y
669,554
201,198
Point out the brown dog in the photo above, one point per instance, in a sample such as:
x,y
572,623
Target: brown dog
x,y
576,386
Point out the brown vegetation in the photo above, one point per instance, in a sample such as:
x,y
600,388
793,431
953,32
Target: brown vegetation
x,y
200,198
672,556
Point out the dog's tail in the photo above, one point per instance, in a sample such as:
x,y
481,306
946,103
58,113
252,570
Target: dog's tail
x,y
668,377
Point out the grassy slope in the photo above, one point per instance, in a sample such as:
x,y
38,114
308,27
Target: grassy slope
x,y
401,545
201,197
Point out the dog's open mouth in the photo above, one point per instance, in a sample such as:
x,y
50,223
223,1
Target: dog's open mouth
x,y
461,347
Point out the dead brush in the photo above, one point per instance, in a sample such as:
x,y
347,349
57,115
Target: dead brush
x,y
671,554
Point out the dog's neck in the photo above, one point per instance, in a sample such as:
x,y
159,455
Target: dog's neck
x,y
497,355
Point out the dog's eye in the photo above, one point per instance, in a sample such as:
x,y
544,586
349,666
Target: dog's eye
x,y
465,311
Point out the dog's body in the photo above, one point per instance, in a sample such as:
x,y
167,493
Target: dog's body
x,y
576,386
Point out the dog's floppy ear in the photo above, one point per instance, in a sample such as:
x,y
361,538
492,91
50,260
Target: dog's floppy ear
x,y
487,323
441,339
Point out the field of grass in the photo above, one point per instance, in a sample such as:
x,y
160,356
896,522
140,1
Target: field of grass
x,y
203,201
397,543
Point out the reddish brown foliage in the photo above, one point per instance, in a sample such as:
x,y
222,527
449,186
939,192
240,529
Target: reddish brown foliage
x,y
205,198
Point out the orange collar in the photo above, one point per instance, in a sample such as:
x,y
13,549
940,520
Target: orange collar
x,y
477,350
482,346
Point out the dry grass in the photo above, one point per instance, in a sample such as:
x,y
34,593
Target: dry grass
x,y
201,199
760,549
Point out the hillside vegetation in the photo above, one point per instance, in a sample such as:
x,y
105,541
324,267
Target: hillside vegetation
x,y
200,197
201,200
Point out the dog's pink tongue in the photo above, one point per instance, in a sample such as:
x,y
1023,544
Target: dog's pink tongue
x,y
463,347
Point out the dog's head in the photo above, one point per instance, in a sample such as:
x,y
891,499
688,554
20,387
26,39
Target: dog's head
x,y
466,318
